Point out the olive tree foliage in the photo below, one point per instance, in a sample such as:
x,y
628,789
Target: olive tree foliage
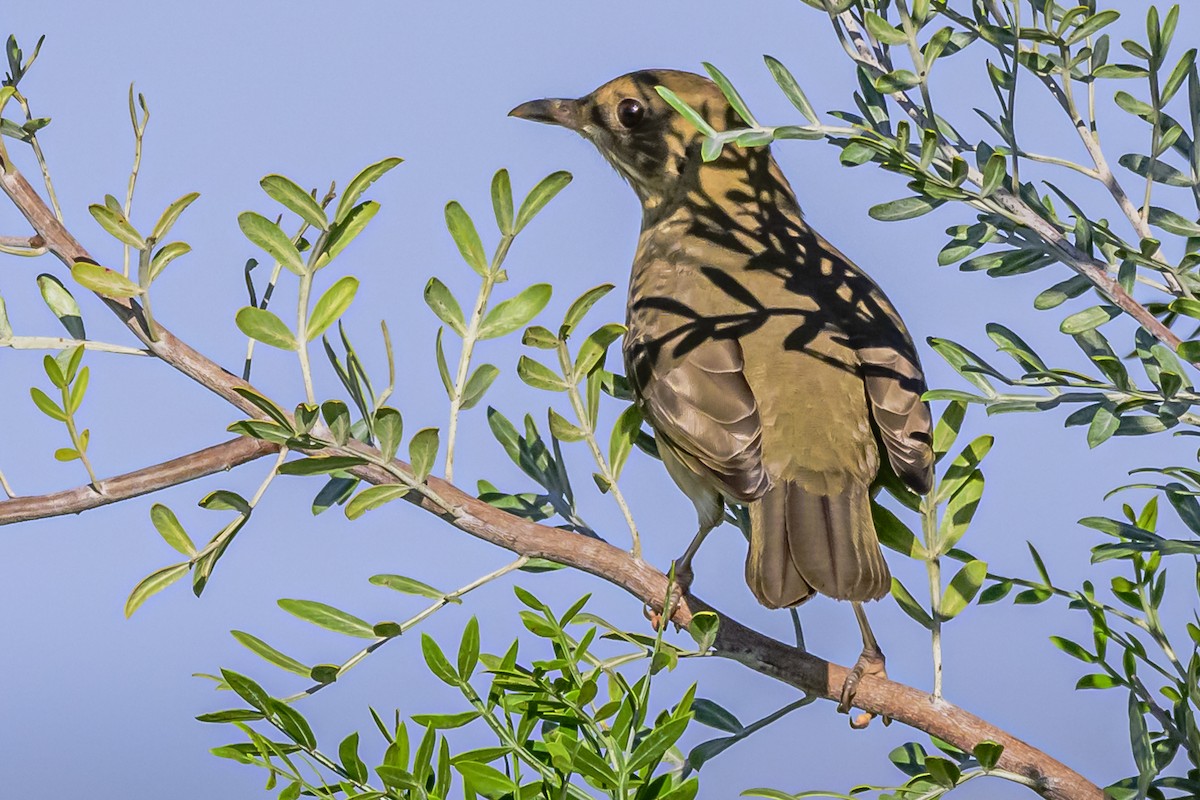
x,y
569,704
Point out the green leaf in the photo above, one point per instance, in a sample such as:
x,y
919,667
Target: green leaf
x,y
468,649
1089,319
943,771
687,112
731,94
225,500
66,454
444,722
301,203
264,404
703,629
167,525
261,648
539,337
909,605
715,716
484,780
656,743
896,81
624,434
539,376
1174,223
165,255
103,281
962,589
1154,169
360,183
502,201
247,689
60,302
46,405
882,30
333,303
595,347
264,326
959,511
422,452
1096,682
154,583
895,534
988,754
320,465
113,221
389,428
1103,425
345,230
271,238
441,301
581,306
904,208
563,429
791,88
436,660
170,215
993,174
516,312
1088,27
400,583
351,763
477,385
539,196
462,230
1060,292
374,497
327,617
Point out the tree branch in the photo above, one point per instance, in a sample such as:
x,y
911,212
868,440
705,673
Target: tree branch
x,y
218,458
758,652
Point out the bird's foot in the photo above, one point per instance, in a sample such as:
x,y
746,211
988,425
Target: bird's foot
x,y
679,586
870,662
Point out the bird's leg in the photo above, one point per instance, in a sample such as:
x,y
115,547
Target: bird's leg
x,y
681,570
870,662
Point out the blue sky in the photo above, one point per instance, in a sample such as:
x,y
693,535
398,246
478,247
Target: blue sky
x,y
316,91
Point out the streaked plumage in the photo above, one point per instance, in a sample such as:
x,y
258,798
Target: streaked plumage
x,y
773,371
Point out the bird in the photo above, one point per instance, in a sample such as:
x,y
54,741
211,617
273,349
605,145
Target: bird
x,y
774,372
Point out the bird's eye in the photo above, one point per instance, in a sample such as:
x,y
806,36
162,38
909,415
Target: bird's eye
x,y
630,112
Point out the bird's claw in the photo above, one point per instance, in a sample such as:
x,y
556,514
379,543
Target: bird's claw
x,y
678,588
869,663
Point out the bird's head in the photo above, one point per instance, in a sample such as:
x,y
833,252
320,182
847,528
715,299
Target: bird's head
x,y
646,140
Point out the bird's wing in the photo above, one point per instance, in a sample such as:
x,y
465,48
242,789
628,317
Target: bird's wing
x,y
701,404
895,383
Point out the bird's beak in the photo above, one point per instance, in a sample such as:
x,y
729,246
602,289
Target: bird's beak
x,y
554,111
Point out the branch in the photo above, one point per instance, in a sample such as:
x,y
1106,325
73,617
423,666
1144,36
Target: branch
x,y
886,698
218,458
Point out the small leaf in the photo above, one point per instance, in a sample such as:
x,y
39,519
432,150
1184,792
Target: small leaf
x,y
502,201
422,452
479,382
624,433
298,201
1174,223
170,215
791,88
436,660
374,497
46,405
167,525
152,584
320,465
539,196
400,583
165,255
462,230
539,376
327,617
1089,319
516,312
345,230
261,648
962,589
103,281
581,306
715,716
909,605
265,327
360,183
441,301
271,238
389,428
904,208
485,780
988,754
333,303
60,301
468,649
704,628
115,223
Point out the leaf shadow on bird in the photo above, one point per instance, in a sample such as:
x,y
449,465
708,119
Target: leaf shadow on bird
x,y
773,371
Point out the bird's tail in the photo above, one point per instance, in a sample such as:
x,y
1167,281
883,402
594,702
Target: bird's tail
x,y
803,541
